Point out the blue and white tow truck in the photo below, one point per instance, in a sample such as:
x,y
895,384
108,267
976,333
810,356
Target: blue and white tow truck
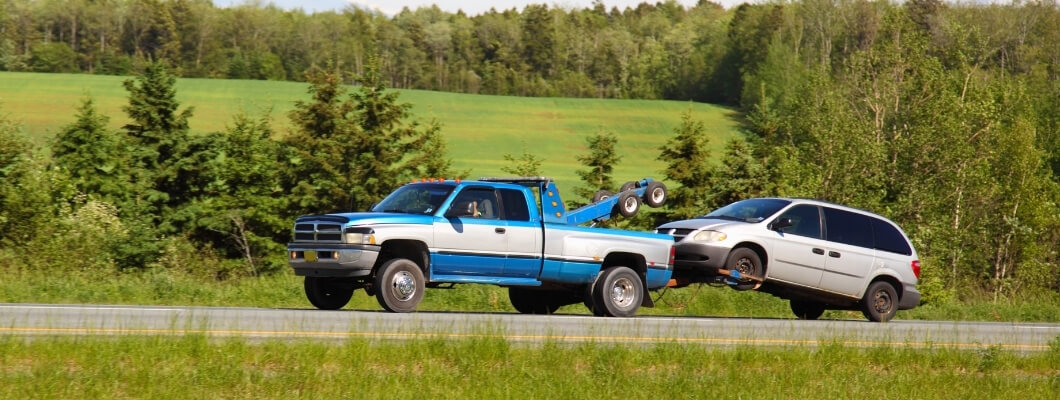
x,y
513,232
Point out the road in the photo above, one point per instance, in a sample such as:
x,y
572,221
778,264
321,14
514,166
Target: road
x,y
32,320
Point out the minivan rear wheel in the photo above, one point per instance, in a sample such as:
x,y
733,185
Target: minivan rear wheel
x,y
807,310
880,303
747,262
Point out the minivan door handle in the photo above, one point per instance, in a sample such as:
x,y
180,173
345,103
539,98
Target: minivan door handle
x,y
499,230
834,254
818,251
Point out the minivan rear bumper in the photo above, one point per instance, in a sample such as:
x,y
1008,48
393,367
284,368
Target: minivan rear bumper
x,y
910,298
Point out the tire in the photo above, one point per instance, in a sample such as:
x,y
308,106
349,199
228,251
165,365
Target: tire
x,y
628,204
655,194
399,285
590,302
807,310
601,195
618,292
327,293
747,262
880,303
528,301
627,186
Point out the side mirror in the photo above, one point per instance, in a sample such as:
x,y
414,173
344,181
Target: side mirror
x,y
461,209
781,223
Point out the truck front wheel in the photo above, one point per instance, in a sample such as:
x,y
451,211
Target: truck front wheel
x,y
327,293
618,292
399,285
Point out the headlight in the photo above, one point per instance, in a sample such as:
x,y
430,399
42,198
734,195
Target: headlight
x,y
710,236
359,235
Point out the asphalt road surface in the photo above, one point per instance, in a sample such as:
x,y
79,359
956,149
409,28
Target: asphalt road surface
x,y
35,320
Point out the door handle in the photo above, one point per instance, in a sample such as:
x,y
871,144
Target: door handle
x,y
834,254
499,230
818,251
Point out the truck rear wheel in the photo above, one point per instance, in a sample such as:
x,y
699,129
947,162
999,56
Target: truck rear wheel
x,y
601,195
327,293
528,301
618,292
399,285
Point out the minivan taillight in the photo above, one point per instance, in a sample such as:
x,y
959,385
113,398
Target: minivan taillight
x,y
916,268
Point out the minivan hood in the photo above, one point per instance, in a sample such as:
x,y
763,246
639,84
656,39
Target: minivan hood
x,y
702,223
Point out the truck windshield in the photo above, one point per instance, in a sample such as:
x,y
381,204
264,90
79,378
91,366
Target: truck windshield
x,y
752,210
420,198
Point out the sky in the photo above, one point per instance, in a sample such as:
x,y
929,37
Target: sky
x,y
470,7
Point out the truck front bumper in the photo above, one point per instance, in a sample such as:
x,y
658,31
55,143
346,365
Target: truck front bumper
x,y
332,260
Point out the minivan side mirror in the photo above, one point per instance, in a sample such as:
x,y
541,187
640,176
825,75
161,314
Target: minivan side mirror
x,y
781,223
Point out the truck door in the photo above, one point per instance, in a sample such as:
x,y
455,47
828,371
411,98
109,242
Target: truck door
x,y
524,235
471,238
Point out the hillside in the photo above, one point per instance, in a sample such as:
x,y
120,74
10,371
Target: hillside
x,y
480,129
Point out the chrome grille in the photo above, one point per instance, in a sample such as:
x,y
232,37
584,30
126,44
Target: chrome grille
x,y
317,232
678,234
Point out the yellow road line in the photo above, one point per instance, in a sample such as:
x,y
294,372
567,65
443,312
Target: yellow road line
x,y
575,338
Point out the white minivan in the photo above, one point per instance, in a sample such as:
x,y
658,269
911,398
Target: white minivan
x,y
818,255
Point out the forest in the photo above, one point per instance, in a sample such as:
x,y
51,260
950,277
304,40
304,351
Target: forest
x,y
943,116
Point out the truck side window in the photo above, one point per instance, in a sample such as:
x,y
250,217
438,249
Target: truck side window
x,y
515,208
483,203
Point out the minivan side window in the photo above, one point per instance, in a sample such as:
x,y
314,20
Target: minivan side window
x,y
805,221
888,238
848,228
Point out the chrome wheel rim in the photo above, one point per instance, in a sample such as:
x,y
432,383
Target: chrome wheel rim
x,y
623,293
631,204
403,286
657,196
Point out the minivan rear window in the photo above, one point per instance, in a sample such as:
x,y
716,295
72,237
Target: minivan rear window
x,y
889,239
848,228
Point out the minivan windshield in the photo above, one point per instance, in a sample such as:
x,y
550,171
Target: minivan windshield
x,y
422,198
752,210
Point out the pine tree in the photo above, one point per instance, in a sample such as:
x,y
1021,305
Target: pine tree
x,y
599,163
687,163
94,156
525,165
350,151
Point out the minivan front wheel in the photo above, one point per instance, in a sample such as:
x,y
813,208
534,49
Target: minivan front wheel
x,y
747,262
880,303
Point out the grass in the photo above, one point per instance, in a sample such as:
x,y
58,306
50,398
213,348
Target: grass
x,y
480,129
490,367
285,291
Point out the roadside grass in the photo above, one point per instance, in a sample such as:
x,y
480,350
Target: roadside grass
x,y
195,366
480,129
285,291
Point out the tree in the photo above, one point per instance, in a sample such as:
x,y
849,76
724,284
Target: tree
x,y
349,152
526,165
599,164
159,137
94,156
687,163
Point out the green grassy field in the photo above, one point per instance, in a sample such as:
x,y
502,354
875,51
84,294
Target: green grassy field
x,y
480,129
489,367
